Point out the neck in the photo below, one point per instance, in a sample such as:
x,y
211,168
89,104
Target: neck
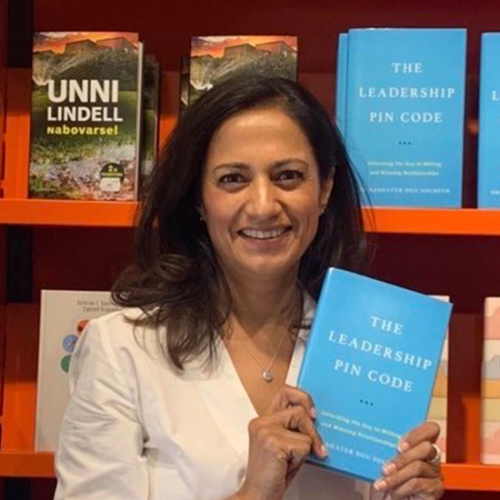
x,y
263,308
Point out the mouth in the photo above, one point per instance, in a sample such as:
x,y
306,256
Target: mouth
x,y
269,234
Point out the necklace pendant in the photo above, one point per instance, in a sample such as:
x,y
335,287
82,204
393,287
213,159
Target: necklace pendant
x,y
267,376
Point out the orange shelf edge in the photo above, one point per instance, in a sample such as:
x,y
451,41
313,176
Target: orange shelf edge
x,y
67,213
26,464
466,477
465,221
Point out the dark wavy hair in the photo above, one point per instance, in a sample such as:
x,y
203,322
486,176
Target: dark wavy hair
x,y
176,280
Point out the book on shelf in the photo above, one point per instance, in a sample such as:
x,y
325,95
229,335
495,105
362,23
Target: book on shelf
x,y
150,119
403,115
86,115
184,85
490,391
373,346
341,82
438,409
63,316
488,175
216,58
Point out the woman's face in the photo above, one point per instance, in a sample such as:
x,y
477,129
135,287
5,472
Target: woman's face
x,y
261,194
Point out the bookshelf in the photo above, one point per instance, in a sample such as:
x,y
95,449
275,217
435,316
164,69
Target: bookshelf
x,y
79,245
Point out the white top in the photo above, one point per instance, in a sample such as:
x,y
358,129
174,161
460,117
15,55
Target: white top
x,y
137,429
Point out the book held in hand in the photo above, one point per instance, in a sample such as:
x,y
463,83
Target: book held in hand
x,y
63,317
85,115
370,367
402,113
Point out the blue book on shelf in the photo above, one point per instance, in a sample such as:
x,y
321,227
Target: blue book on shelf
x,y
488,179
405,114
340,96
370,366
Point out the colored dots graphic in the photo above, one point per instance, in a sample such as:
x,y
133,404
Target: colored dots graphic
x,y
65,363
69,342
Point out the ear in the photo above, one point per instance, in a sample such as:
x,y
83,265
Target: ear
x,y
326,190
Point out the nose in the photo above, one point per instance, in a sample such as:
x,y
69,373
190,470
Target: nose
x,y
263,199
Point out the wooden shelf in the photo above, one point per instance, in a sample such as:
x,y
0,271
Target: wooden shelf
x,y
26,464
121,214
467,477
67,213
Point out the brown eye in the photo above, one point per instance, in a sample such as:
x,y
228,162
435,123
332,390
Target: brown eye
x,y
289,175
231,179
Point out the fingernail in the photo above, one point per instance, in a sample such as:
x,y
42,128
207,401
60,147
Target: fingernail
x,y
380,485
403,446
313,413
324,451
389,469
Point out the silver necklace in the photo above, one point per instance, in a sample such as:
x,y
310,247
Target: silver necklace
x,y
267,374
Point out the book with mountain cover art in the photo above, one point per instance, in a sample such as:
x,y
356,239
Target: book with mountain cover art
x,y
85,116
488,178
150,119
370,366
490,394
216,58
404,114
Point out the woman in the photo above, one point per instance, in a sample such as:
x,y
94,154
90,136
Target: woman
x,y
188,393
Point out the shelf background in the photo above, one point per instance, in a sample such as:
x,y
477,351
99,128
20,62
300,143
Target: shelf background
x,y
410,252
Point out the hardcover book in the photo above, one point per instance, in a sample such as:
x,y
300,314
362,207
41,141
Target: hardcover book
x,y
341,79
488,181
490,417
63,316
150,118
404,114
216,58
85,115
370,367
438,410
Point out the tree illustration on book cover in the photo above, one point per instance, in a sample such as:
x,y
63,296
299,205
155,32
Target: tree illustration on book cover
x,y
216,58
85,115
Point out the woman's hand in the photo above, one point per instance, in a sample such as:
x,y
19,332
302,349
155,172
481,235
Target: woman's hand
x,y
280,442
412,475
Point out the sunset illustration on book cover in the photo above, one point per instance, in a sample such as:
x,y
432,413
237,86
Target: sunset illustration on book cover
x,y
216,58
85,117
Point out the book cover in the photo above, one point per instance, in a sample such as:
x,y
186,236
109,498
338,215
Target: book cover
x,y
490,395
488,176
341,81
184,85
370,367
150,118
85,115
438,410
63,316
216,58
405,115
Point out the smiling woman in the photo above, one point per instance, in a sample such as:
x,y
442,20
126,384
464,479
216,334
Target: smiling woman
x,y
189,391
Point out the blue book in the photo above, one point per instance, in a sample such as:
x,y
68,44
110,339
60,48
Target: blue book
x,y
340,96
488,195
370,366
405,114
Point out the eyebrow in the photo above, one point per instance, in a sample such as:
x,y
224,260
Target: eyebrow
x,y
277,164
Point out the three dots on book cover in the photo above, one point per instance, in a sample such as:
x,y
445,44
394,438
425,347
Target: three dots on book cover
x,y
69,342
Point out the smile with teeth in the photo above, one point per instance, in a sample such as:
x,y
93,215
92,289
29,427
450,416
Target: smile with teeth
x,y
264,235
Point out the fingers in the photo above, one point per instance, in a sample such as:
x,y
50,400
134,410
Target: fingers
x,y
297,418
421,452
291,396
429,431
